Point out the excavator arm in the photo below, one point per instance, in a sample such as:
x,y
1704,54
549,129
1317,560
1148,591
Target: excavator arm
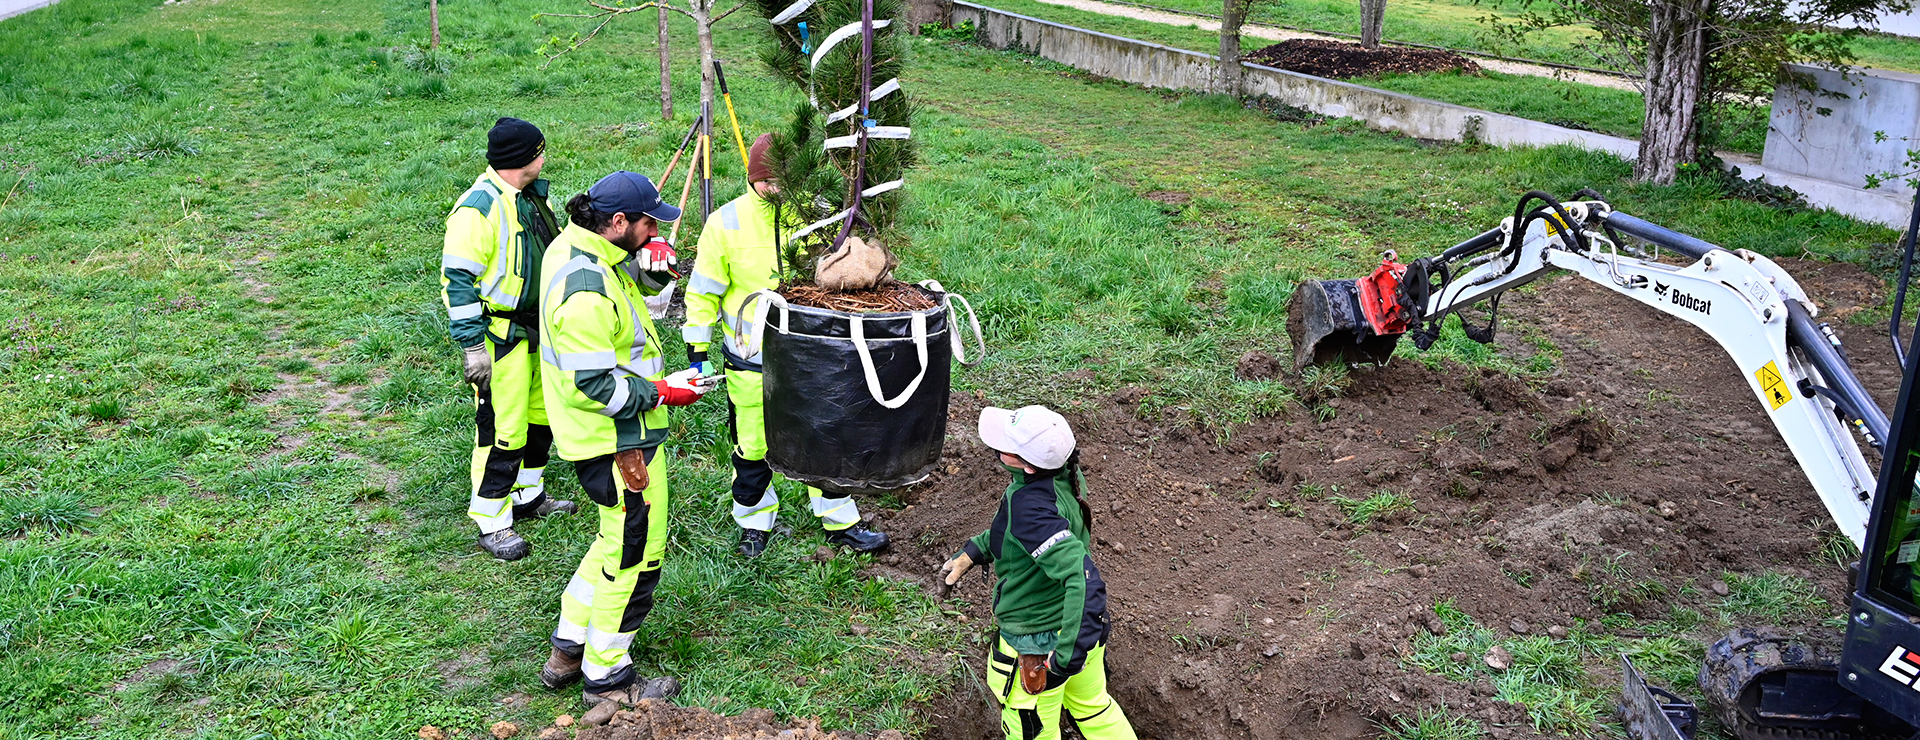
x,y
1751,307
1760,682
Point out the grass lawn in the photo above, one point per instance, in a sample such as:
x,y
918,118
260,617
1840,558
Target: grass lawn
x,y
234,444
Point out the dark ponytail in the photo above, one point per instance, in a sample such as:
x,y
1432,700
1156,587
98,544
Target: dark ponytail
x,y
580,212
1077,483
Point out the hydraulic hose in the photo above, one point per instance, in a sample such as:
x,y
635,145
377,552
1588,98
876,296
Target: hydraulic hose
x,y
1805,335
1900,289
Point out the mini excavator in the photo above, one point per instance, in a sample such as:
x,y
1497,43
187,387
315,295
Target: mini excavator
x,y
1759,682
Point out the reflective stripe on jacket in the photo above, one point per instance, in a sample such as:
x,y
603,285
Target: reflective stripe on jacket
x,y
1048,595
600,350
490,261
737,255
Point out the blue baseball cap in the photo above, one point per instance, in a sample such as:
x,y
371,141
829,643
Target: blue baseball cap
x,y
630,192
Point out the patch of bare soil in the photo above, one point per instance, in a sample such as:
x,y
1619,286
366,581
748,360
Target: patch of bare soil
x,y
1248,604
1323,58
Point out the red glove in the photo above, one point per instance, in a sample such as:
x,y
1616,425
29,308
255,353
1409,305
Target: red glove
x,y
657,256
681,388
671,395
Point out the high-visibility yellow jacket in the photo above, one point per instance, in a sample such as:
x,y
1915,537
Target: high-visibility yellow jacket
x,y
600,350
490,262
737,256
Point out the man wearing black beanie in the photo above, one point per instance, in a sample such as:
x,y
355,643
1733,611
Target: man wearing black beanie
x,y
489,274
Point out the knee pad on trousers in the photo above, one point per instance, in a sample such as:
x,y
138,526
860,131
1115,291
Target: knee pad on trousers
x,y
751,479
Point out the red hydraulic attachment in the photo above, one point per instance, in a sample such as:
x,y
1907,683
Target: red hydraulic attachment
x,y
1380,297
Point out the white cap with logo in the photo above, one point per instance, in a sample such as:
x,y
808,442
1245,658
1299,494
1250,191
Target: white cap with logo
x,y
1036,433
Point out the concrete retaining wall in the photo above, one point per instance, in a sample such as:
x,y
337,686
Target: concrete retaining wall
x,y
1153,65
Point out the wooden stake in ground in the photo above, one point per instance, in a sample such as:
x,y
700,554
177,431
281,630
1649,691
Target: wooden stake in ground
x,y
433,22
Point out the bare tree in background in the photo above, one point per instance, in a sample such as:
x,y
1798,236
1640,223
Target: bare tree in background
x,y
701,11
1373,17
666,70
1233,15
1697,59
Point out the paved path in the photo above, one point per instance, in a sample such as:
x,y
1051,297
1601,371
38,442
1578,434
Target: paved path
x,y
11,8
1281,34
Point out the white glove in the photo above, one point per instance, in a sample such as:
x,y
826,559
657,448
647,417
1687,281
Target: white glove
x,y
691,379
479,365
953,569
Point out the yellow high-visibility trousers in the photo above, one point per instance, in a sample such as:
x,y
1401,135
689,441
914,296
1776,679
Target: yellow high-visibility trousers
x,y
1037,716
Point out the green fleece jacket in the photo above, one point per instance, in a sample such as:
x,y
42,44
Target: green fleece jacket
x,y
1049,597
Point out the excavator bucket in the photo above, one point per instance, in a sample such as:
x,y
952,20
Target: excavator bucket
x,y
1328,326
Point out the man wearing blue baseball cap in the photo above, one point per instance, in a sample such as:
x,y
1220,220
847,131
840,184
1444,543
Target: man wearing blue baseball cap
x,y
607,393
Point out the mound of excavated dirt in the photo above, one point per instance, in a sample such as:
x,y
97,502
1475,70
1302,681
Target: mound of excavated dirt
x,y
1324,58
655,719
1247,604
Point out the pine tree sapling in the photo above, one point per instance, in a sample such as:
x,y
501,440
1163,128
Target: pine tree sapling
x,y
838,169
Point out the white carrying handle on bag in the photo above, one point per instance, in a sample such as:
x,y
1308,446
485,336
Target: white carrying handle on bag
x,y
866,360
953,324
766,298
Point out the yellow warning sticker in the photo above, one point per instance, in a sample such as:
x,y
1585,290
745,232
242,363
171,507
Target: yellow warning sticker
x,y
1773,386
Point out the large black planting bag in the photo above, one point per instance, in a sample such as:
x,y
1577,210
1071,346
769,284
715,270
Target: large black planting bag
x,y
857,402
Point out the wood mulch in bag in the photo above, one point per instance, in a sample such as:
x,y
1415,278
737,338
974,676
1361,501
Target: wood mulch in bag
x,y
893,297
1335,59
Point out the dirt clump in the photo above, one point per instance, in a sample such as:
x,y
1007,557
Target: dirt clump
x,y
1256,365
1272,586
1325,58
659,719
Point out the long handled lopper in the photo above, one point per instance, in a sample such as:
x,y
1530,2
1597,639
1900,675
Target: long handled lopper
x,y
671,163
673,237
738,143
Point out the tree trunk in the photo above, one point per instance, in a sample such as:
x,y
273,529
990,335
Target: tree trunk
x,y
1373,17
433,22
703,28
666,70
1676,70
1233,15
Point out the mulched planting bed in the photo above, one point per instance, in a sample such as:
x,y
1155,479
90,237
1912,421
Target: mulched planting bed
x,y
1323,58
889,298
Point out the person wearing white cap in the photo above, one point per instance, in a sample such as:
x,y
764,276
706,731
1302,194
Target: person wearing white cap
x,y
1049,601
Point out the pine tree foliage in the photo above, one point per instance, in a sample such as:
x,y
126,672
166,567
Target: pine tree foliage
x,y
815,182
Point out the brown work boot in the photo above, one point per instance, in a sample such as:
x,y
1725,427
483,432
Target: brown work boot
x,y
665,687
561,669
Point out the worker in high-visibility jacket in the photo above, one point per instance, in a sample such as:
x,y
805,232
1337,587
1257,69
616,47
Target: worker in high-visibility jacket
x,y
489,275
739,254
607,391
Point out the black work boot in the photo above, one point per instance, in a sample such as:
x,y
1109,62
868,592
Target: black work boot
x,y
858,538
753,542
561,669
505,544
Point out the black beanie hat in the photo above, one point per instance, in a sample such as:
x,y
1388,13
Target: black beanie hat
x,y
513,144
